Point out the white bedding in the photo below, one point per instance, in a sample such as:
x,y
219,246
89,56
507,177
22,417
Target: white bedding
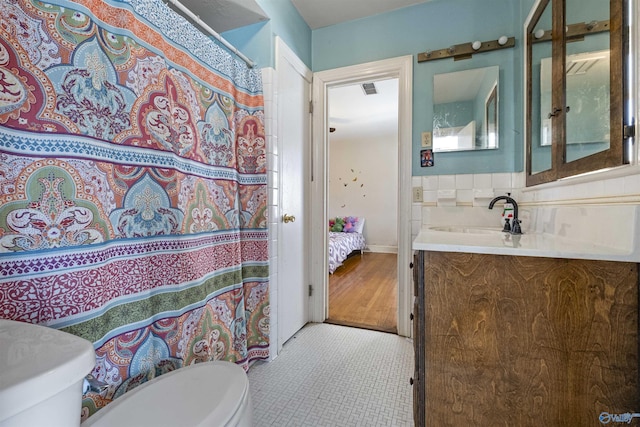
x,y
341,245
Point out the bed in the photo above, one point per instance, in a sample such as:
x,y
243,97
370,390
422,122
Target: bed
x,y
342,243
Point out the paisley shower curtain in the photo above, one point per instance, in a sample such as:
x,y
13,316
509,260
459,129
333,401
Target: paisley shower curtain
x,y
132,187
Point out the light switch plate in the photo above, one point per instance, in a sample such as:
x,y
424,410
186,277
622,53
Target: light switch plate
x,y
426,139
417,194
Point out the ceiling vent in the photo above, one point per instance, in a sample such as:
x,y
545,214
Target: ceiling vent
x,y
369,88
582,66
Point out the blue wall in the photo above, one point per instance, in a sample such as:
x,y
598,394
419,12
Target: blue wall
x,y
434,25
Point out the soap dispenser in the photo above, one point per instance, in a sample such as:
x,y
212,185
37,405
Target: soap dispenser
x,y
507,215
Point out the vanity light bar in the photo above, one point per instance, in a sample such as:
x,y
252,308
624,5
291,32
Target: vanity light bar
x,y
575,32
466,50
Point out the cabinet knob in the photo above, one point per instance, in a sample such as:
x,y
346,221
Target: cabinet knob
x,y
410,265
556,111
411,381
411,316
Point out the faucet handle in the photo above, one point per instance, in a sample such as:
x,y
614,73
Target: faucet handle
x,y
516,227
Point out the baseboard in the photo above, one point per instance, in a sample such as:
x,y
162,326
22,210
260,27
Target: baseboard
x,y
382,249
362,326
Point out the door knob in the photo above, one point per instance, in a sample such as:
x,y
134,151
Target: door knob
x,y
288,218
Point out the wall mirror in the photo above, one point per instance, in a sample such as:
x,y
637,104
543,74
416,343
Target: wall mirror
x,y
587,92
576,94
465,110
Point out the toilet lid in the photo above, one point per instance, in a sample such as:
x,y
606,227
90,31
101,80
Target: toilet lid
x,y
37,362
204,394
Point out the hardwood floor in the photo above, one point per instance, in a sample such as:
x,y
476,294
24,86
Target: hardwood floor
x,y
363,292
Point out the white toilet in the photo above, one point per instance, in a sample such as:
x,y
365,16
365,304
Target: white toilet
x,y
41,379
205,394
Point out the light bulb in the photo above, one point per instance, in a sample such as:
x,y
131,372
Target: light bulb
x,y
539,33
502,40
476,45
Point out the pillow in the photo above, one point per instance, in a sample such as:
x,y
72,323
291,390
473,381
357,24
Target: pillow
x,y
336,224
359,226
349,224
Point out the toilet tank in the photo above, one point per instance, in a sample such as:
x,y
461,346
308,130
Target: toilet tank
x,y
41,375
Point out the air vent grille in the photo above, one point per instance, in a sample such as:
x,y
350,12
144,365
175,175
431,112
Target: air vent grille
x,y
369,88
582,66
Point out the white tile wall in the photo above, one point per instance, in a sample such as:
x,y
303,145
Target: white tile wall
x,y
464,182
614,186
482,180
477,189
464,186
270,101
632,184
446,182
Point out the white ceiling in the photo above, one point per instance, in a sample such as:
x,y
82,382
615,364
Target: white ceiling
x,y
322,13
458,86
225,15
359,116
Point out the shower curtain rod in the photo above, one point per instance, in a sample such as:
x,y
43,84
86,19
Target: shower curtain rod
x,y
211,31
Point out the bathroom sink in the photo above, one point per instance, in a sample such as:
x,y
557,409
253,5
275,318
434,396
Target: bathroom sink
x,y
467,230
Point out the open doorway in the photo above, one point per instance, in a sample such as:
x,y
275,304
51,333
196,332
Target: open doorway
x,y
362,204
400,68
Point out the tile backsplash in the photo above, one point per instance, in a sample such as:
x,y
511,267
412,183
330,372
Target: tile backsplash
x,y
460,190
621,186
468,187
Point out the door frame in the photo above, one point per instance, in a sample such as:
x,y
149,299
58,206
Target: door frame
x,y
402,69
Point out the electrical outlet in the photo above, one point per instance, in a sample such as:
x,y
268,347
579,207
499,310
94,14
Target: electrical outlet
x,y
426,140
417,194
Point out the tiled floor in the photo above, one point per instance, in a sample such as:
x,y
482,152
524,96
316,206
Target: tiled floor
x,y
329,375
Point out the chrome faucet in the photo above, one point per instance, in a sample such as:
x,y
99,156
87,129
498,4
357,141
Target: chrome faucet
x,y
515,228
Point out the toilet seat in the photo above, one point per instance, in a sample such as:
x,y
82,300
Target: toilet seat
x,y
204,394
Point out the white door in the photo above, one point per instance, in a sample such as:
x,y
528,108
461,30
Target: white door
x,y
293,96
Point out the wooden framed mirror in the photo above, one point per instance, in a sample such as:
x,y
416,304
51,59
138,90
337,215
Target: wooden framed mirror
x,y
575,80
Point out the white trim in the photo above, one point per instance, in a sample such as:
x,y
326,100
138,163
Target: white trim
x,y
382,249
620,200
270,114
595,176
284,51
401,68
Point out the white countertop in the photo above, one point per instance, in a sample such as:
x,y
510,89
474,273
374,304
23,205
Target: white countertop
x,y
528,244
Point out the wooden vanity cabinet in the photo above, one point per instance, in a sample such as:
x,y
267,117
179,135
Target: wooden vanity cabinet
x,y
523,341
